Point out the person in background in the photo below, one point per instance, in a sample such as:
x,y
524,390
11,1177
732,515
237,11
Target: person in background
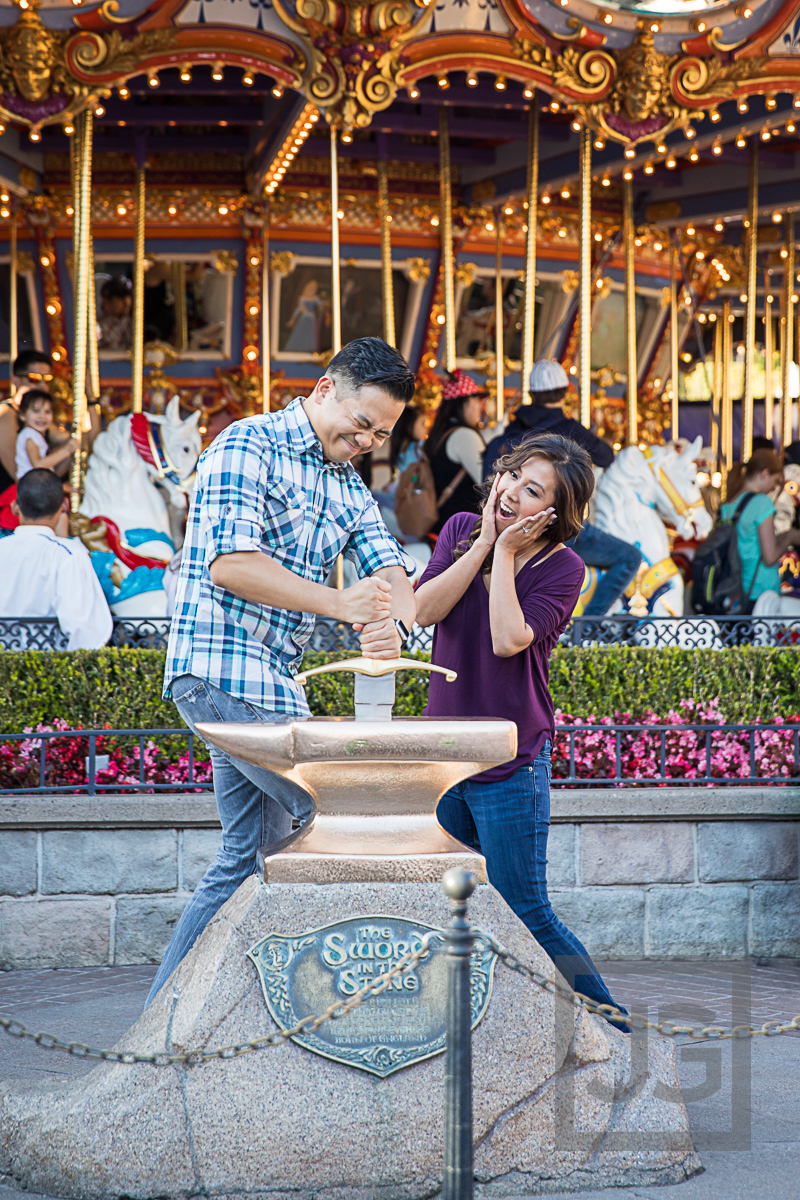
x,y
545,414
760,547
35,414
408,436
455,447
116,329
42,575
31,368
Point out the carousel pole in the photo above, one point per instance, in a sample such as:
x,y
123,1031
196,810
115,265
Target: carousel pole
x,y
13,343
529,317
673,335
336,271
750,308
91,329
716,396
499,350
446,201
585,310
81,257
387,282
137,340
788,331
769,398
265,346
727,401
630,316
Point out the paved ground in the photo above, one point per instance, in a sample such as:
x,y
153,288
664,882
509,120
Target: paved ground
x,y
745,1120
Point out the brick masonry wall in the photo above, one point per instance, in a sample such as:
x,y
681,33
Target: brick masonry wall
x,y
670,889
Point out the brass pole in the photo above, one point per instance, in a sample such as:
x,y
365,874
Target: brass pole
x,y
336,273
673,336
499,350
716,395
750,308
266,352
585,311
91,331
13,344
81,255
137,338
387,282
788,341
529,318
446,226
181,316
630,317
727,402
769,398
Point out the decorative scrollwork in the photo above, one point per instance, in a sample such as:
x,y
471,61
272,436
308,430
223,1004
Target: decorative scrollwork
x,y
711,80
584,71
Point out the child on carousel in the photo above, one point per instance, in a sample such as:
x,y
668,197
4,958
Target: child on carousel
x,y
500,589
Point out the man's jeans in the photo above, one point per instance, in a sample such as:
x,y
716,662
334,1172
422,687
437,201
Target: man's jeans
x,y
620,561
255,805
508,822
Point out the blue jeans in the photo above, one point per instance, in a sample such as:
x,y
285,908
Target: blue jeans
x,y
620,561
508,822
255,806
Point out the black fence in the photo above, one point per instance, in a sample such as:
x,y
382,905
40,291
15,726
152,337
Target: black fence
x,y
331,637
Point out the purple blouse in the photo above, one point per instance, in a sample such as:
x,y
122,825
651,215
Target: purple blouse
x,y
514,688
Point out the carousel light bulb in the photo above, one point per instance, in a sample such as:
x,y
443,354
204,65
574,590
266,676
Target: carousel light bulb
x,y
440,319
253,310
340,215
472,79
700,255
217,72
347,137
741,105
718,226
715,115
694,156
77,3
790,126
771,101
657,246
637,242
648,168
443,81
490,227
794,298
607,18
654,27
413,92
576,126
545,198
605,181
687,300
69,210
434,220
598,237
68,128
100,111
741,141
700,26
744,11
122,210
796,100
565,193
53,308
564,3
5,212
254,260
173,210
251,354
153,80
186,74
777,217
124,92
500,83
431,363
627,175
527,92
599,143
630,152
222,210
689,131
598,283
770,299
248,79
2,128
562,233
277,91
524,228
765,134
661,148
743,297
702,318
35,135
712,317
24,4
716,148
46,260
555,106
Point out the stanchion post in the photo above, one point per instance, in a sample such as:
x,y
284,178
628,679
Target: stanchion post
x,y
458,1179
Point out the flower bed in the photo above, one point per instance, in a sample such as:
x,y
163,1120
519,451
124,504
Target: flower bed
x,y
688,753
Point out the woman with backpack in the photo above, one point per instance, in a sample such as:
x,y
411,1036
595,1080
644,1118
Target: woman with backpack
x,y
500,589
455,448
760,547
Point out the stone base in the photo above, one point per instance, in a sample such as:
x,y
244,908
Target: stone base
x,y
369,868
555,1106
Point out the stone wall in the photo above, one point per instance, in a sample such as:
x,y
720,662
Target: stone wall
x,y
642,873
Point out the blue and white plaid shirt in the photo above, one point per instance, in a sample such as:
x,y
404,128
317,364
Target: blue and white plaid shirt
x,y
263,485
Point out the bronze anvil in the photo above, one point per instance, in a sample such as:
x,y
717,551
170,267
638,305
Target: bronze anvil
x,y
376,784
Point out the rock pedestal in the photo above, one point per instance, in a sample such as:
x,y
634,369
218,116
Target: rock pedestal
x,y
554,1110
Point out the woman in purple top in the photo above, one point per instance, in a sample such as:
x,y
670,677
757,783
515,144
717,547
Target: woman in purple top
x,y
500,590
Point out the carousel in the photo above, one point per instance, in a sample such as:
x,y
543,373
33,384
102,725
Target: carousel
x,y
202,200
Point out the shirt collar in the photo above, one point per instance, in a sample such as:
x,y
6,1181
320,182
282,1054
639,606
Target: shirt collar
x,y
301,433
41,530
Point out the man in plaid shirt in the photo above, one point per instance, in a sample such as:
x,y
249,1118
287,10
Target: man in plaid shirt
x,y
275,503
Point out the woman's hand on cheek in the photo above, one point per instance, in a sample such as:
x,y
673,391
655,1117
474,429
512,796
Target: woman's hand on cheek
x,y
525,533
488,534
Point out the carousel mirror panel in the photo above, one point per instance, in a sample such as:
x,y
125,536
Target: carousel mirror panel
x,y
301,304
28,328
187,304
475,306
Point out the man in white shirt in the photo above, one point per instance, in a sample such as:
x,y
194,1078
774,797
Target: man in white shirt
x,y
42,575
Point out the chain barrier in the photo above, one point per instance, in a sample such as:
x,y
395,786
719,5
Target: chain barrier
x,y
340,1008
197,1058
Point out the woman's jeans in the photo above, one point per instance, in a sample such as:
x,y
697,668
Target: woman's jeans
x,y
255,805
508,823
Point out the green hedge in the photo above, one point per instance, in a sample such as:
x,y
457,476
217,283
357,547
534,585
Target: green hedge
x,y
122,688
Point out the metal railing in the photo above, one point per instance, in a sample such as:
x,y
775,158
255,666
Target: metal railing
x,y
333,637
98,761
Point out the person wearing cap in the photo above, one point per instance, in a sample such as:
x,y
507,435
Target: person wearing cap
x,y
617,559
455,447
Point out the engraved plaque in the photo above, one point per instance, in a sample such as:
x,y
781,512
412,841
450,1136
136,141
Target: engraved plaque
x,y
302,975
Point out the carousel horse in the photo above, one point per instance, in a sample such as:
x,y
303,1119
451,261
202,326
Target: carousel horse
x,y
640,492
136,496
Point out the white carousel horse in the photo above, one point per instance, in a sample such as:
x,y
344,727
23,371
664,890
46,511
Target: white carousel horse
x,y
636,495
138,480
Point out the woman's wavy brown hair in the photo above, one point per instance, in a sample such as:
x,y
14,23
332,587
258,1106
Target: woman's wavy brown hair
x,y
574,486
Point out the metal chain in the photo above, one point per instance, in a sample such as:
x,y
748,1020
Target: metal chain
x,y
196,1058
635,1020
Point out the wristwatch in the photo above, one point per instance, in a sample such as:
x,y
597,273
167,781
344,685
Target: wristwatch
x,y
405,633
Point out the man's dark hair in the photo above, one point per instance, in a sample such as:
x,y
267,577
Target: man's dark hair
x,y
763,443
26,358
118,288
30,397
370,360
39,494
551,396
